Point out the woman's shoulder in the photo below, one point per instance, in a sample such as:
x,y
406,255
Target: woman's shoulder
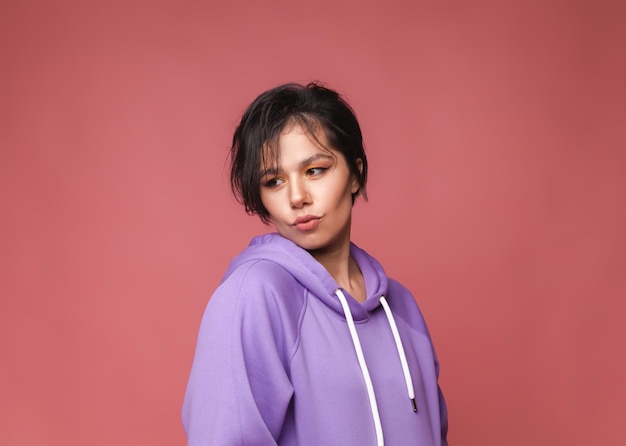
x,y
399,291
260,284
405,305
260,273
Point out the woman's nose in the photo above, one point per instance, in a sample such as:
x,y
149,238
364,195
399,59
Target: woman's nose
x,y
298,194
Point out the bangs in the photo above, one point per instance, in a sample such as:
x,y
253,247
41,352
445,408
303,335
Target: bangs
x,y
269,158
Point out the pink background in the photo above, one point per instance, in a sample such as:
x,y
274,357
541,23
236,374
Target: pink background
x,y
495,132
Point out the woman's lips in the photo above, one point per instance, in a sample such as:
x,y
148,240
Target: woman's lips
x,y
306,223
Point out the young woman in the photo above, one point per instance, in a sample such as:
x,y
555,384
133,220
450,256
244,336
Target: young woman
x,y
306,341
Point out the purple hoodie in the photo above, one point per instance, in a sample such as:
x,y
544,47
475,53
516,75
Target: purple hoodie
x,y
278,361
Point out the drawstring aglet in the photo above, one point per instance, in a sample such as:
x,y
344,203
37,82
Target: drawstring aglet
x,y
414,404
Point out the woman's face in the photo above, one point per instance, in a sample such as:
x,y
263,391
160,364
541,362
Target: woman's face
x,y
308,195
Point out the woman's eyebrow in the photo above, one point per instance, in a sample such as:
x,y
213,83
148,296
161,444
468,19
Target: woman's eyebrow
x,y
313,158
302,164
269,171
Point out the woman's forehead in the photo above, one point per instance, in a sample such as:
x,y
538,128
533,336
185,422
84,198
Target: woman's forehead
x,y
304,140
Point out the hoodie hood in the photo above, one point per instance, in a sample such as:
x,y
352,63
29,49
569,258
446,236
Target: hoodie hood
x,y
313,276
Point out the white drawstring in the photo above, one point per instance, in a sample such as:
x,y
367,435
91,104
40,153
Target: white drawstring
x,y
400,347
363,365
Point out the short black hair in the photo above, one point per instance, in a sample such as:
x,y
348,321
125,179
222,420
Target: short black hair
x,y
314,107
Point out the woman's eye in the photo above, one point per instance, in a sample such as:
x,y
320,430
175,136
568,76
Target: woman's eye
x,y
272,182
316,170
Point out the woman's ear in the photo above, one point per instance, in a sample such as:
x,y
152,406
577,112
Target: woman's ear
x,y
355,180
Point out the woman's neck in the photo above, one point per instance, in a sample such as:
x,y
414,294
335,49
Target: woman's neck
x,y
342,267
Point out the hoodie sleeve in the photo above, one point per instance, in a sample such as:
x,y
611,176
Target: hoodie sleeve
x,y
239,389
443,409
